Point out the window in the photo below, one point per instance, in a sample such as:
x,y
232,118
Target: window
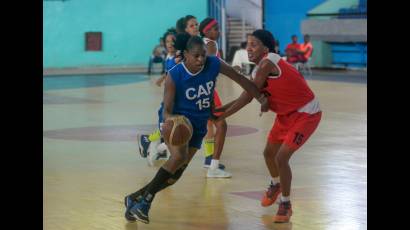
x,y
93,41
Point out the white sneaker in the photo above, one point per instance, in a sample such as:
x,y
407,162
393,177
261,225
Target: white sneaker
x,y
218,173
152,153
162,148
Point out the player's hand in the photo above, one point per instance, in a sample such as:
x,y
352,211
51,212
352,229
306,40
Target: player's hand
x,y
213,117
176,118
237,68
264,104
158,82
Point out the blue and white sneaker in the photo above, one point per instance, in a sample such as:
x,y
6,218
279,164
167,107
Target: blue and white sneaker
x,y
129,202
208,160
140,211
143,144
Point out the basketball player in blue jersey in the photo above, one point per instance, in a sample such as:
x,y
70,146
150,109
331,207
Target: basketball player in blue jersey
x,y
188,91
148,144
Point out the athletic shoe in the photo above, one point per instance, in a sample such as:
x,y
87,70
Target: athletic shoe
x,y
271,195
217,173
140,211
208,160
284,212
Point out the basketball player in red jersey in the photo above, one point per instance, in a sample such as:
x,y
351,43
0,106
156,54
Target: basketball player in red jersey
x,y
297,115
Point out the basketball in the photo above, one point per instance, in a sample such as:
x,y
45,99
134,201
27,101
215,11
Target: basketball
x,y
177,130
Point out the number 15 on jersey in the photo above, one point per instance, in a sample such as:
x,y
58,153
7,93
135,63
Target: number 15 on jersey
x,y
203,103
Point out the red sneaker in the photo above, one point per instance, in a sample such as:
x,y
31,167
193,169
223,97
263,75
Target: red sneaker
x,y
284,212
271,195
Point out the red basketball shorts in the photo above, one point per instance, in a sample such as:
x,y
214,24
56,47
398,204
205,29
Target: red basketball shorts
x,y
217,102
294,129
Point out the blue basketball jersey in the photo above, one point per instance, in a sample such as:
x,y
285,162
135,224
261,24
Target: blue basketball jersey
x,y
169,63
194,92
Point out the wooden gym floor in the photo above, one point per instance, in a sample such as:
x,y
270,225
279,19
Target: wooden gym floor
x,y
91,161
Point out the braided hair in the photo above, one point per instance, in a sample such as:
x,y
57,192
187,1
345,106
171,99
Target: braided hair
x,y
266,38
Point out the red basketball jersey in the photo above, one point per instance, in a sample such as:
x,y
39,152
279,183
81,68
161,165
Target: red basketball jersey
x,y
207,40
288,92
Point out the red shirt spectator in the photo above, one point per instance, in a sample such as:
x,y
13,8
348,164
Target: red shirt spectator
x,y
306,49
292,50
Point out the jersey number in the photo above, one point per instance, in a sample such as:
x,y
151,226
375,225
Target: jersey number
x,y
203,103
298,138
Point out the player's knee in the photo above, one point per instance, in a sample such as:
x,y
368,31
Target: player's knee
x,y
268,153
281,159
221,125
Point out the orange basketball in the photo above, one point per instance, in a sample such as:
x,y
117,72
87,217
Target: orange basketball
x,y
177,130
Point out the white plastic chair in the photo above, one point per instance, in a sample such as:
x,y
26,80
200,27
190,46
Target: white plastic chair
x,y
304,67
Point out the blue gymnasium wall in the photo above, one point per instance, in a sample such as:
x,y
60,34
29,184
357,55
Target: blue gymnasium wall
x,y
351,54
130,28
283,18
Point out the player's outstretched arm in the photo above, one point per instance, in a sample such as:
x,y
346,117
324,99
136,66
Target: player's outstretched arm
x,y
245,97
225,106
169,96
242,81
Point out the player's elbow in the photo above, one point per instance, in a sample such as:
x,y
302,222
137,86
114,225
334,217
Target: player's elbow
x,y
249,100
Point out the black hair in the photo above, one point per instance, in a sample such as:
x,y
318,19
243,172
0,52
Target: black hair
x,y
203,24
307,35
186,19
243,45
180,28
181,41
194,41
266,38
293,36
169,31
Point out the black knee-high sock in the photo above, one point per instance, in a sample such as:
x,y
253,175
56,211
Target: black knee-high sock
x,y
174,177
139,193
155,185
168,183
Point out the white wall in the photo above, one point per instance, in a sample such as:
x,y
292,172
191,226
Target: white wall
x,y
251,10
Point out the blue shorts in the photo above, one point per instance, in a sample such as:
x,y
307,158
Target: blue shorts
x,y
196,140
199,132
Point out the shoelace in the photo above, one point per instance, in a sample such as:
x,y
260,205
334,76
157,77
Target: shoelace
x,y
145,206
283,208
270,189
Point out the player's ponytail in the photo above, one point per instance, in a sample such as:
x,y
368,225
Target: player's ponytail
x,y
181,42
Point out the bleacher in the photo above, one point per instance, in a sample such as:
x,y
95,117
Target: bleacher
x,y
359,11
349,54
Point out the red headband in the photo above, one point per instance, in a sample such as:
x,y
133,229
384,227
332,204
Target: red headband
x,y
209,26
